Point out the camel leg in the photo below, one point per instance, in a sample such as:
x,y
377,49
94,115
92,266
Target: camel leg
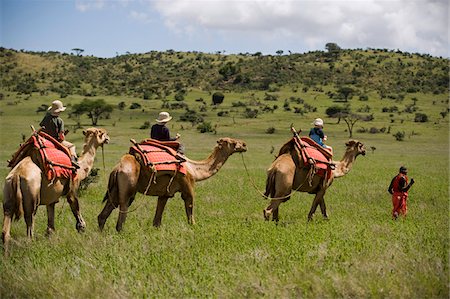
x,y
6,232
317,199
162,200
104,214
323,208
75,207
272,209
189,207
50,218
123,212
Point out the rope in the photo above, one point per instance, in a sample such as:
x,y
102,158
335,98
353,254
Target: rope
x,y
274,198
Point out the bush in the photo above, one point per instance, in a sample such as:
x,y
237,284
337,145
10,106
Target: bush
x,y
217,98
146,125
135,106
399,136
91,178
205,127
222,113
421,118
191,116
250,113
270,130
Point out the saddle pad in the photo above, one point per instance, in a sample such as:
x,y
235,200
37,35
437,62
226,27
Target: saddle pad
x,y
320,155
159,157
57,162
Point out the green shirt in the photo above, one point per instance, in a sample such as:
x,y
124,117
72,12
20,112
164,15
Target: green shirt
x,y
53,126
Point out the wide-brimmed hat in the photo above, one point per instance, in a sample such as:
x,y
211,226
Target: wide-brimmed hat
x,y
56,107
163,117
318,122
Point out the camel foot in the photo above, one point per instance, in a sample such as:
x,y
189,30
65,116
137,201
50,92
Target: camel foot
x,y
266,215
50,231
81,226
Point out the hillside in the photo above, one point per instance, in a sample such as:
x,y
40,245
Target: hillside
x,y
159,74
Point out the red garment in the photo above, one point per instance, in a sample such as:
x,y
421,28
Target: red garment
x,y
399,198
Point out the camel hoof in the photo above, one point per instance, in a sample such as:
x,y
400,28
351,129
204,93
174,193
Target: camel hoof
x,y
81,227
50,231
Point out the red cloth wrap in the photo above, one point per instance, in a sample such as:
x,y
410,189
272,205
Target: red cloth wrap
x,y
56,157
160,155
320,155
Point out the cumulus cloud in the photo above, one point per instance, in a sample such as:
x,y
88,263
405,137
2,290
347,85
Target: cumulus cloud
x,y
410,25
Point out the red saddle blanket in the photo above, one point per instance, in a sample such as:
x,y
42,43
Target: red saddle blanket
x,y
55,156
160,155
321,157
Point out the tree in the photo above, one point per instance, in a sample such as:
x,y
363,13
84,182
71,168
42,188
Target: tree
x,y
351,119
217,98
78,51
346,92
338,111
93,108
333,50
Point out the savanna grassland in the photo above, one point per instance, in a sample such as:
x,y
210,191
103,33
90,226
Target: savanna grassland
x,y
359,252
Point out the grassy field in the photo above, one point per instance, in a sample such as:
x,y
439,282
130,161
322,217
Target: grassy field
x,y
232,251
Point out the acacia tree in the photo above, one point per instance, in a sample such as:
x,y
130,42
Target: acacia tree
x,y
93,108
346,92
78,51
351,119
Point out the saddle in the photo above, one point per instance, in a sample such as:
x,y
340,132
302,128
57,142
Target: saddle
x,y
56,157
159,155
314,157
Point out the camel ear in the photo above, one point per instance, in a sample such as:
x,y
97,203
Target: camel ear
x,y
84,132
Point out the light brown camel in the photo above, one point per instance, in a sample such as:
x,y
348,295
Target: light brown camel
x,y
27,187
284,176
129,177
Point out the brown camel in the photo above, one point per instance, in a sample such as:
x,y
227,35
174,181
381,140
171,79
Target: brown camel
x,y
26,187
129,177
284,176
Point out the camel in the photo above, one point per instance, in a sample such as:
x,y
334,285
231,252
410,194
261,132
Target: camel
x,y
26,187
287,174
129,177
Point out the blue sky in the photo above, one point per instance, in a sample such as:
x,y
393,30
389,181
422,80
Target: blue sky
x,y
106,28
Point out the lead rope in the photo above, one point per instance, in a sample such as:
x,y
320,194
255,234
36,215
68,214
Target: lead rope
x,y
265,196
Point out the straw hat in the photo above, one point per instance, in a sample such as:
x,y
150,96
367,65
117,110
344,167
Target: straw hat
x,y
163,117
318,122
56,107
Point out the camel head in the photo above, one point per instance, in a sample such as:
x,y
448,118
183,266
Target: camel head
x,y
231,145
356,147
97,135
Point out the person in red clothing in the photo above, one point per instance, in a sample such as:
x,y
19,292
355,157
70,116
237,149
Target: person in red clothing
x,y
399,189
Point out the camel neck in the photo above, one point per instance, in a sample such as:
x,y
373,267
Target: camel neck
x,y
345,165
204,169
86,160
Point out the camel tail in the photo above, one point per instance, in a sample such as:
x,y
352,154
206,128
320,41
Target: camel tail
x,y
12,197
270,184
112,185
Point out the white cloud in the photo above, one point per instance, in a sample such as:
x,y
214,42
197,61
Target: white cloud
x,y
85,5
410,25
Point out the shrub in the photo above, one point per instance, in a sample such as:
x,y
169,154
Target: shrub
x,y
135,106
421,118
270,130
222,113
217,98
205,127
146,125
250,113
399,136
91,178
191,116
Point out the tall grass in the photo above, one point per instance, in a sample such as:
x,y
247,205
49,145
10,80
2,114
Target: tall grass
x,y
232,251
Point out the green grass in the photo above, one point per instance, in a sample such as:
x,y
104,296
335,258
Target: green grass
x,y
232,251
